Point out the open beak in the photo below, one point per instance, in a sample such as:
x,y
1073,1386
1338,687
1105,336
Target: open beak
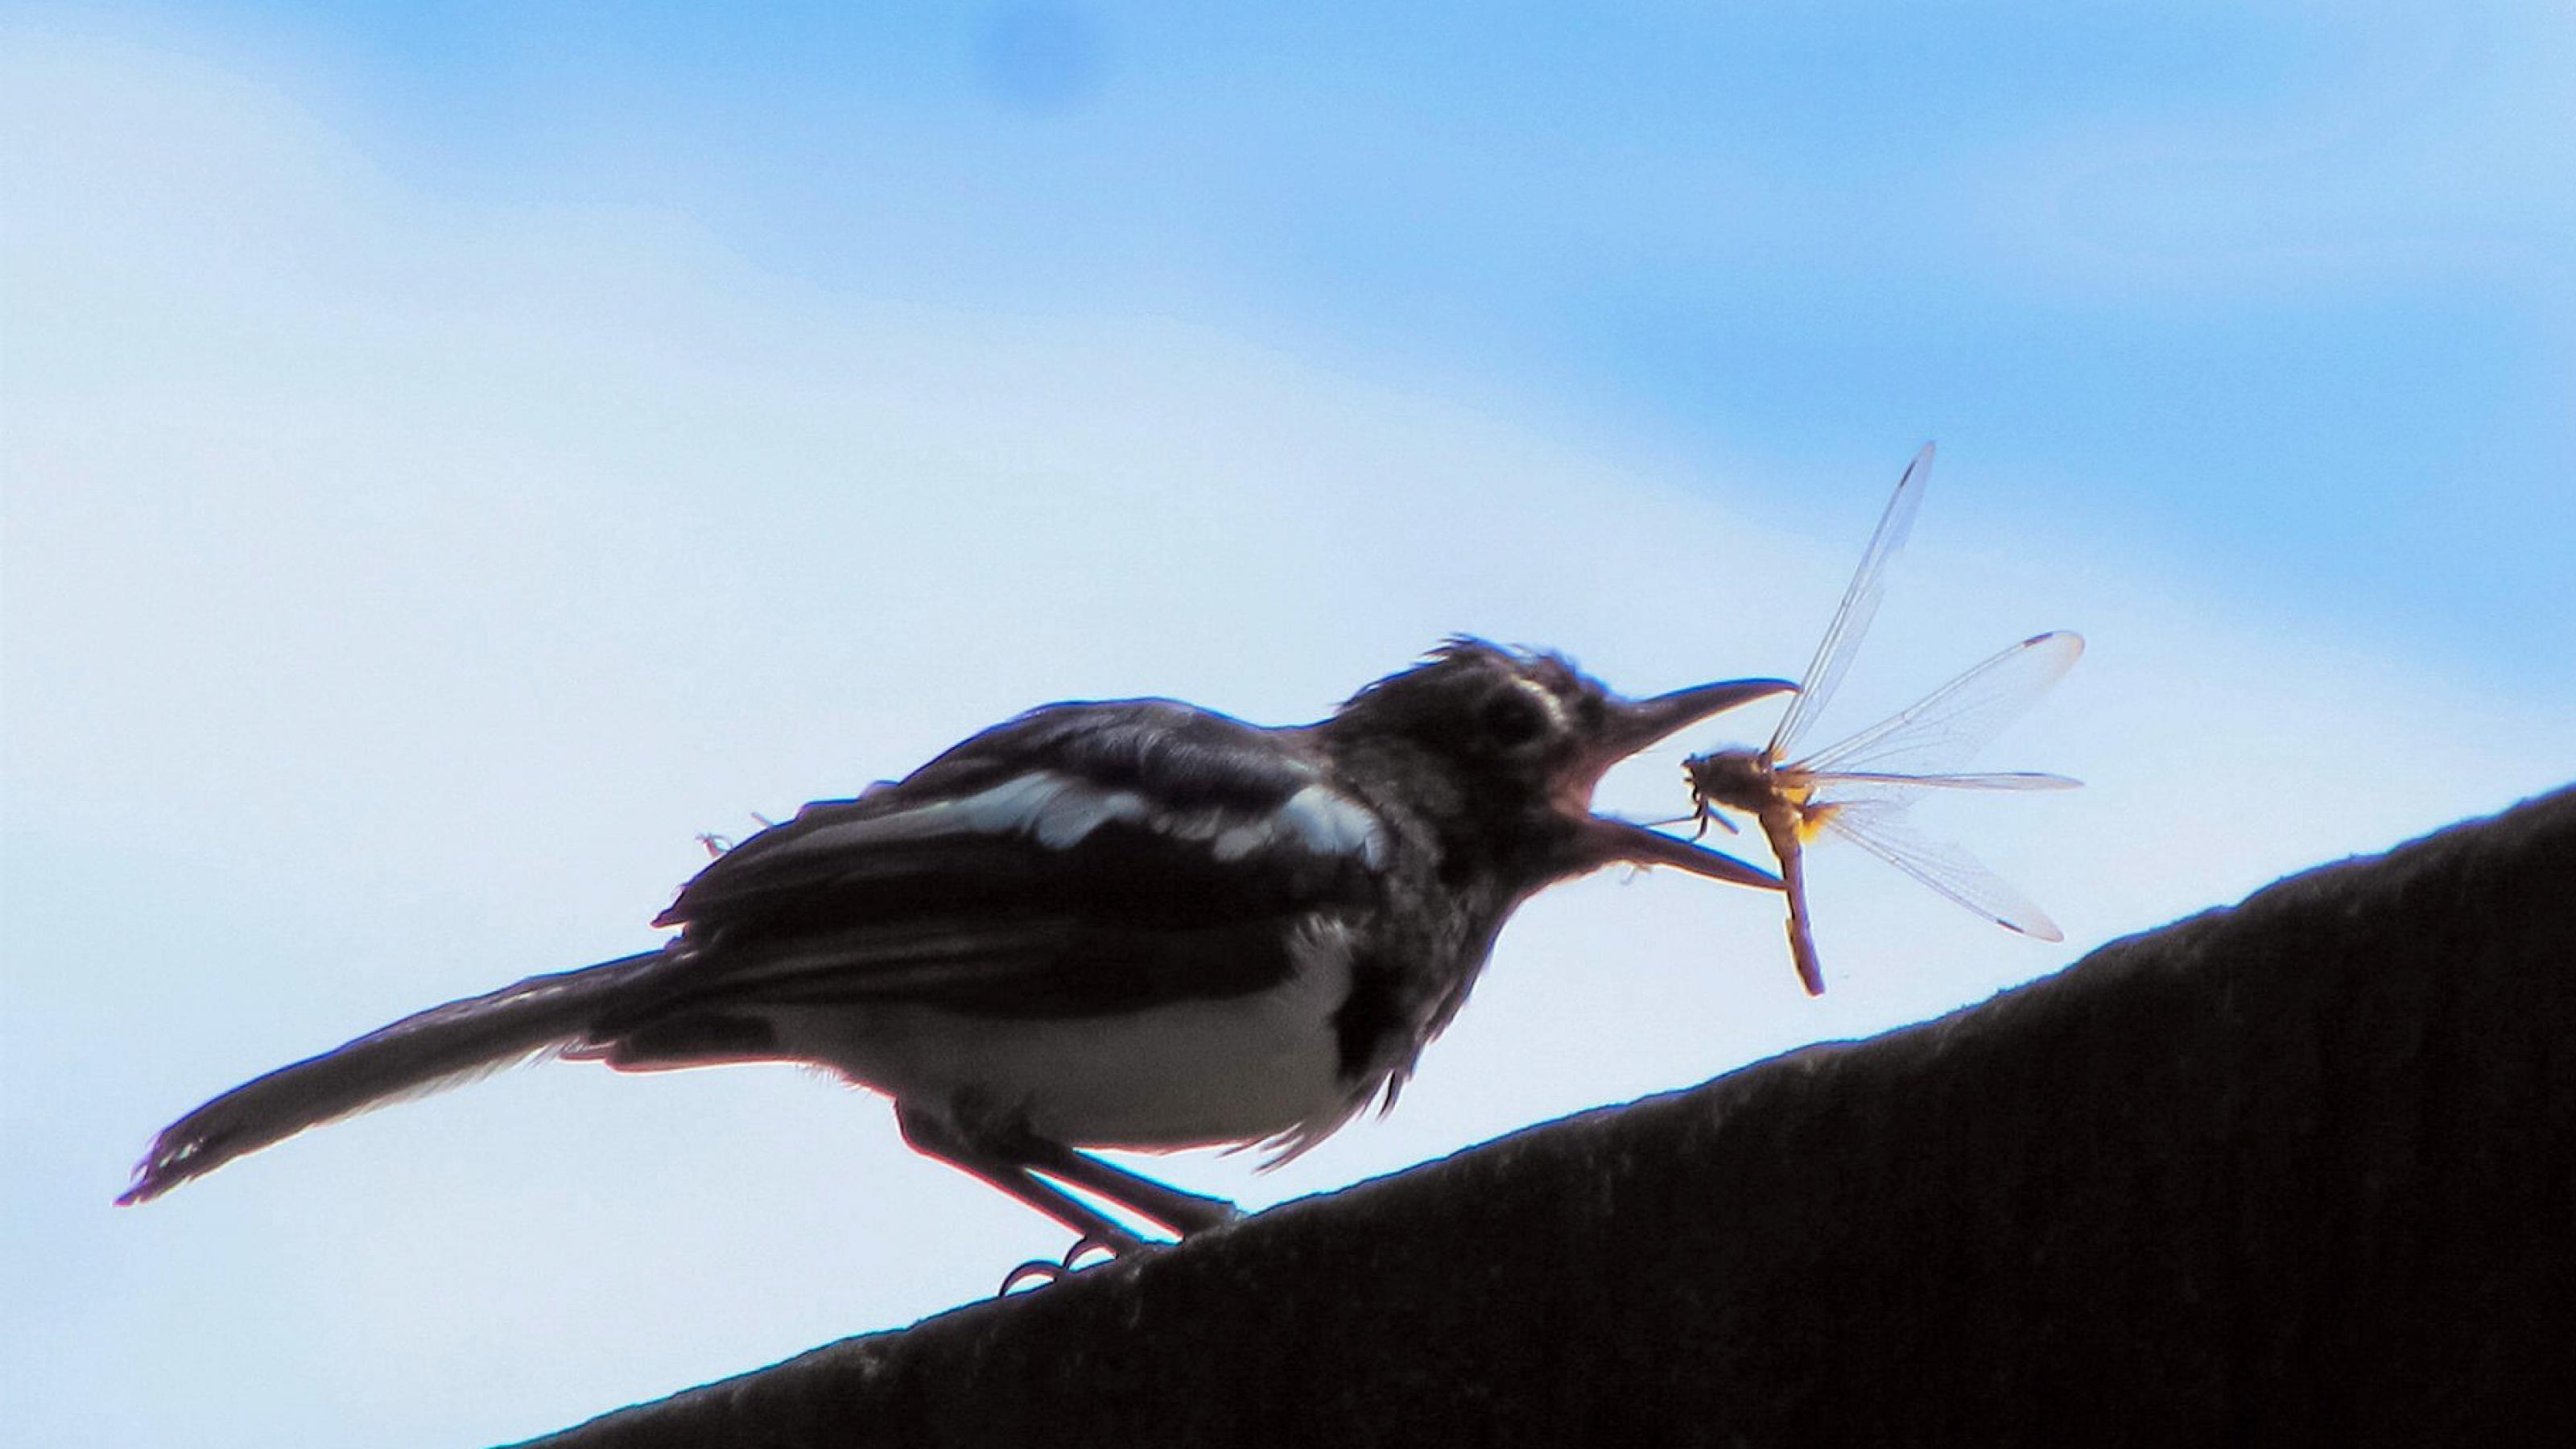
x,y
1634,725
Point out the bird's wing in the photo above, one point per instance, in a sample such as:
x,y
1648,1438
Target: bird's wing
x,y
1082,857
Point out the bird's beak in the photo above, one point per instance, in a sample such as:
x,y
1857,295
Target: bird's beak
x,y
1611,842
1634,725
1641,722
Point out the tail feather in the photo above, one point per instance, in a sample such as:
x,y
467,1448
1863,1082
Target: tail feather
x,y
421,1053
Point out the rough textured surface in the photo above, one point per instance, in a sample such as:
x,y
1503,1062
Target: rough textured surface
x,y
2303,1171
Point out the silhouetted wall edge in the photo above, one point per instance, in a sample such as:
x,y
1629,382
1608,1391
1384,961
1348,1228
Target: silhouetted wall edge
x,y
2299,1171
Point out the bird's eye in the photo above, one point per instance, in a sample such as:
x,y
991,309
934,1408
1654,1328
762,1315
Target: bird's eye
x,y
1512,719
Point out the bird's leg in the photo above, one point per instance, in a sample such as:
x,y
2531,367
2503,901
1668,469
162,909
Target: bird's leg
x,y
1098,1231
1183,1212
1005,1170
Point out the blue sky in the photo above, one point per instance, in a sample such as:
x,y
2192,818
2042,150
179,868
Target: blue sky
x,y
2257,274
454,454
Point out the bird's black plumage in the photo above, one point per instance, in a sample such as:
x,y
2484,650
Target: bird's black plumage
x,y
1134,923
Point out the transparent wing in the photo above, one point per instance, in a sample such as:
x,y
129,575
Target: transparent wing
x,y
1880,828
1952,723
1832,786
1851,618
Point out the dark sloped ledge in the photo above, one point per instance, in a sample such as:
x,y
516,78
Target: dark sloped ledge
x,y
2302,1171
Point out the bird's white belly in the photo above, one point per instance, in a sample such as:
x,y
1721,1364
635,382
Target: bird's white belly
x,y
1189,1074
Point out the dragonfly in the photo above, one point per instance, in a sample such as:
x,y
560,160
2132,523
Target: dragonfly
x,y
1860,789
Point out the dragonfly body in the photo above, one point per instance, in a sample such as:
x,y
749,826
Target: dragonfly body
x,y
1859,788
1782,802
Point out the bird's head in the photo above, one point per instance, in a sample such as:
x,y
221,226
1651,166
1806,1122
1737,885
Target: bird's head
x,y
1527,734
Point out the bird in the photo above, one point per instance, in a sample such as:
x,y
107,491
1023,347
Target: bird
x,y
1124,924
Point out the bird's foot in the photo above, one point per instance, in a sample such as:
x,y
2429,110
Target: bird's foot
x,y
1109,1246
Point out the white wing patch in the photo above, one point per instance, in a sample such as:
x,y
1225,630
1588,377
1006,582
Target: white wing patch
x,y
1326,824
1059,812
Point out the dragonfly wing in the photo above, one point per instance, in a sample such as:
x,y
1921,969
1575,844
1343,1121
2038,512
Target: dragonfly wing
x,y
1839,785
1948,726
1880,828
1851,618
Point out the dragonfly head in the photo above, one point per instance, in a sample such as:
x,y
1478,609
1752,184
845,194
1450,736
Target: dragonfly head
x,y
1734,779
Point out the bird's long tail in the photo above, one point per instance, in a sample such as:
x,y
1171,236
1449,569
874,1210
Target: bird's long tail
x,y
419,1054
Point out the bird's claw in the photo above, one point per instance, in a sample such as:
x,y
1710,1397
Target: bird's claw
x,y
1110,1246
1038,1269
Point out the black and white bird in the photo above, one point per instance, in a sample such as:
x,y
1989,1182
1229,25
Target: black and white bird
x,y
1128,924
